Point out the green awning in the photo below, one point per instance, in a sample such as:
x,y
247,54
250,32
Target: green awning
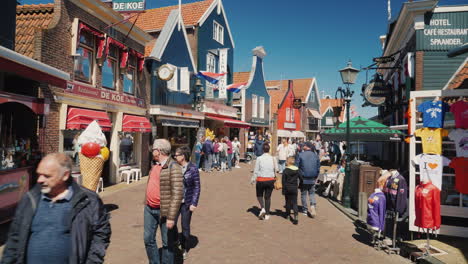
x,y
363,130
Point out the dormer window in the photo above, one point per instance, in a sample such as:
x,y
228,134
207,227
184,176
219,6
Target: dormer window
x,y
218,32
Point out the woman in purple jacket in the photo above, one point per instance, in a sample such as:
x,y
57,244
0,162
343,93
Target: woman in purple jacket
x,y
191,195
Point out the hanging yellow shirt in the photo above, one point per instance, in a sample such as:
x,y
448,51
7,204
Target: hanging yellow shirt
x,y
431,139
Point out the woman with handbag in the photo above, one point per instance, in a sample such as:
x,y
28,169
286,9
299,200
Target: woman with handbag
x,y
264,176
290,179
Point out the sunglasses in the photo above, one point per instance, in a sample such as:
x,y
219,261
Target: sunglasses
x,y
177,155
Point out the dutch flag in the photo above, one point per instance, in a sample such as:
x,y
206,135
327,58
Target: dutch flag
x,y
210,76
236,87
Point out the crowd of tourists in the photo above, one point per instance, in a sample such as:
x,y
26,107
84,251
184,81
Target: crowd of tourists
x,y
220,154
58,209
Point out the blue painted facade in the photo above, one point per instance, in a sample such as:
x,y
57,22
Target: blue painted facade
x,y
207,43
176,53
257,87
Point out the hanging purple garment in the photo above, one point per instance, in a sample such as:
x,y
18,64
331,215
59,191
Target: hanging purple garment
x,y
376,206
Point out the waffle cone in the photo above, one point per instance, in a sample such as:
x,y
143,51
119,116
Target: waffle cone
x,y
91,170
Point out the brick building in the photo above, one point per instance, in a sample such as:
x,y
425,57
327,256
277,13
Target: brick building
x,y
105,60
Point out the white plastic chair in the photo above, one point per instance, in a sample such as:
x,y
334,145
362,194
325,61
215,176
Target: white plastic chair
x,y
100,186
125,171
137,174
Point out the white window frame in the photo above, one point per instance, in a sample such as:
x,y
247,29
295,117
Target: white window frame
x,y
210,62
262,107
288,114
292,114
218,32
254,105
329,121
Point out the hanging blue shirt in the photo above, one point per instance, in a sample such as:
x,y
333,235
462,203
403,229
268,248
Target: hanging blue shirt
x,y
433,113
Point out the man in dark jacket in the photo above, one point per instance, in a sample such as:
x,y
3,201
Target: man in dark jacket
x,y
207,149
164,194
258,147
309,166
58,221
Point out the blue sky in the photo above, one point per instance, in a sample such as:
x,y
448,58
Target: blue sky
x,y
306,38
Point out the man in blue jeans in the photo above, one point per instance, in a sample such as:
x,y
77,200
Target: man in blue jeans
x,y
164,194
309,166
207,149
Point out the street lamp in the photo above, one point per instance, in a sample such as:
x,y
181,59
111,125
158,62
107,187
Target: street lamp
x,y
198,100
348,76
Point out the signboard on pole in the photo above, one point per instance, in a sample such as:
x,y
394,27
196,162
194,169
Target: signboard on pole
x,y
223,57
128,5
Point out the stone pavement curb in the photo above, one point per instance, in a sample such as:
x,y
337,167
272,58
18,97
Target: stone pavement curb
x,y
408,250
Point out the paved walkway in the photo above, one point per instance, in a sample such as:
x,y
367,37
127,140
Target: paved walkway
x,y
227,230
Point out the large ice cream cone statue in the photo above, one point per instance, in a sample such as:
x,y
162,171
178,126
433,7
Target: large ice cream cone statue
x,y
93,155
91,170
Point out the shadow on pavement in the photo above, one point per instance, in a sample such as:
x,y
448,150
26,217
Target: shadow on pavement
x,y
111,207
362,235
255,210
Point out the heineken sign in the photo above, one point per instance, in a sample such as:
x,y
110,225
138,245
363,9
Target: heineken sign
x,y
443,31
363,130
128,5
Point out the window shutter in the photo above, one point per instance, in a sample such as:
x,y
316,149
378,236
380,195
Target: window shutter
x,y
172,83
184,80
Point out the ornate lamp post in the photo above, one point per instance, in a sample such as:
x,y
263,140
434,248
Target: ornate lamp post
x,y
348,76
198,100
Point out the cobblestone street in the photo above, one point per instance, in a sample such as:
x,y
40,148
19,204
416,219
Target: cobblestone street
x,y
226,229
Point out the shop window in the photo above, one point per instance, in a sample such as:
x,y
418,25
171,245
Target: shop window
x,y
84,61
262,107
329,121
129,76
218,32
254,105
126,149
288,114
18,136
109,69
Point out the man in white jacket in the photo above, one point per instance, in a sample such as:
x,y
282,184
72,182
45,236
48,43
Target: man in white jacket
x,y
284,151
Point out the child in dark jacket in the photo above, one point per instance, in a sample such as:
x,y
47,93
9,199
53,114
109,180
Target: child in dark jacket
x,y
290,179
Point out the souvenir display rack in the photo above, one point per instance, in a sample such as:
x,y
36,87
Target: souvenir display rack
x,y
446,210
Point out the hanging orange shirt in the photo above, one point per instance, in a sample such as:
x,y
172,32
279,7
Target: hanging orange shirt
x,y
460,165
431,139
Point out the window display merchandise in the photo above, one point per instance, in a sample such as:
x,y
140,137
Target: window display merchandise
x,y
433,113
431,167
460,164
431,139
460,112
460,138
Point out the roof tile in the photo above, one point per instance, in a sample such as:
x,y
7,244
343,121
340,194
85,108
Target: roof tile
x,y
240,77
154,19
329,102
460,81
29,20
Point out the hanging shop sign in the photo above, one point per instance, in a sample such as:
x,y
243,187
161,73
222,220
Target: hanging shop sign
x,y
443,31
385,59
376,91
297,103
258,121
103,94
128,5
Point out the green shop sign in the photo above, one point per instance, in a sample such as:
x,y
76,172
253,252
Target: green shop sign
x,y
443,31
128,5
362,129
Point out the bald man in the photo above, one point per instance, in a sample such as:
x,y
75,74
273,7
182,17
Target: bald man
x,y
58,221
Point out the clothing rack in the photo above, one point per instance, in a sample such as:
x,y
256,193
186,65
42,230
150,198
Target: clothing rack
x,y
446,210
